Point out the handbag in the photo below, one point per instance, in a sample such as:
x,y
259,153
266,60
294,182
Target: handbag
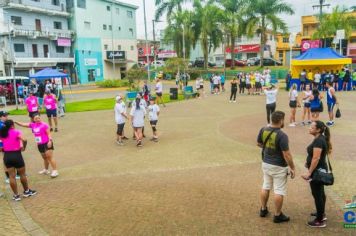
x,y
324,177
265,142
338,112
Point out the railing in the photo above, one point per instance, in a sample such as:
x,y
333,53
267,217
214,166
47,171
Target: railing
x,y
51,33
40,5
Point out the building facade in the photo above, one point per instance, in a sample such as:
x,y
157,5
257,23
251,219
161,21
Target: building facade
x,y
283,49
34,35
105,45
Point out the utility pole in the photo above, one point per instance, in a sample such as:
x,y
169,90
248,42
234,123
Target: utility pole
x,y
13,65
184,48
320,6
147,55
154,44
112,39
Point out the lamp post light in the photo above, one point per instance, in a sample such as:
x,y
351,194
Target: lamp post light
x,y
147,56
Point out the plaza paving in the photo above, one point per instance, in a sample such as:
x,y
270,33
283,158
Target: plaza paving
x,y
202,178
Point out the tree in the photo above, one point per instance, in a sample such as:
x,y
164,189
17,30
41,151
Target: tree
x,y
338,19
233,23
134,76
175,65
262,15
169,7
207,25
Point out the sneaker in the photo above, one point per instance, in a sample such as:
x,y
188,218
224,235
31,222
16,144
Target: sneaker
x,y
316,224
303,123
264,213
121,143
54,174
155,140
56,130
125,138
29,193
324,216
7,180
139,144
16,198
281,218
291,125
234,101
44,172
309,122
51,130
330,124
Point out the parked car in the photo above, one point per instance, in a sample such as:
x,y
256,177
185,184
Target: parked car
x,y
228,63
251,61
200,63
268,62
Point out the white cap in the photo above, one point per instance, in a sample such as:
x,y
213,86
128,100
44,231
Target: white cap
x,y
118,98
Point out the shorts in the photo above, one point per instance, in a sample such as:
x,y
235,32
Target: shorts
x,y
216,86
42,148
331,107
354,83
21,96
13,160
346,80
201,86
307,105
31,113
51,113
248,86
120,129
222,84
159,94
153,122
258,85
293,104
275,176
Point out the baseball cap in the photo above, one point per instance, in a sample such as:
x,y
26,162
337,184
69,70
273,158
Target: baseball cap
x,y
118,98
3,113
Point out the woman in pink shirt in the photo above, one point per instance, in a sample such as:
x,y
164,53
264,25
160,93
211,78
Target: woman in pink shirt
x,y
32,105
44,143
13,144
50,103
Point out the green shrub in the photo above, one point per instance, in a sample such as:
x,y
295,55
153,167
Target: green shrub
x,y
109,83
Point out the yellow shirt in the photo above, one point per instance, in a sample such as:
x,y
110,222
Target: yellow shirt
x,y
252,79
310,76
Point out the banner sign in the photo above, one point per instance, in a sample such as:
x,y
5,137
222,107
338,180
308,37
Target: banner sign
x,y
64,42
117,55
245,48
306,44
167,54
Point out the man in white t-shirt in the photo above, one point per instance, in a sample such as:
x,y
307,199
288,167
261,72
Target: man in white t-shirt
x,y
271,99
317,79
153,113
159,92
216,82
120,119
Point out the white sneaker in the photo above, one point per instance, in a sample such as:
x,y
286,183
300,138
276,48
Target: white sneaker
x,y
292,125
44,172
7,180
234,101
230,101
54,174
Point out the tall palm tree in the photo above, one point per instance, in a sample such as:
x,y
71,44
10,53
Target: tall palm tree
x,y
169,7
264,14
233,21
207,25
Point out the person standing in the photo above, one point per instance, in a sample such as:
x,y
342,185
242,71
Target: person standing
x,y
137,114
331,102
159,92
216,82
201,89
316,104
197,86
32,105
242,83
293,104
145,91
120,119
153,113
50,103
288,79
354,80
276,158
310,78
233,90
248,83
222,81
346,79
20,93
316,159
303,79
317,78
306,101
271,99
44,144
13,145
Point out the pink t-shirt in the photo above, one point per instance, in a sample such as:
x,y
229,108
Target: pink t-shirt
x,y
50,102
40,132
12,142
31,103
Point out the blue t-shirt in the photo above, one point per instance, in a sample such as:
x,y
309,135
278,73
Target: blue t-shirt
x,y
20,90
2,124
222,79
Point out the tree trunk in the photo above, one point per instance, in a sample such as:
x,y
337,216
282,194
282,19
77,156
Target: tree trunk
x,y
205,51
232,48
263,32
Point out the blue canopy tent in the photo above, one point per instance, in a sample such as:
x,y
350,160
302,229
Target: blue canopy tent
x,y
318,59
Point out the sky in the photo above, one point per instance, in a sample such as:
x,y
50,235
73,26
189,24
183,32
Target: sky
x,y
301,8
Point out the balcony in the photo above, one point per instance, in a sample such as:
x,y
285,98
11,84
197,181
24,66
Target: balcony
x,y
52,34
42,6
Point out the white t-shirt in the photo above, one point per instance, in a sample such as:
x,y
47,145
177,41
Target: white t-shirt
x,y
159,87
307,94
153,112
201,81
197,84
216,80
317,78
119,109
257,78
138,120
271,96
293,95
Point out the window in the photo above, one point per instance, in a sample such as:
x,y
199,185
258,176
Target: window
x,y
55,2
119,28
117,11
104,27
131,31
59,49
108,8
129,14
87,25
280,55
132,48
119,47
285,40
19,47
16,20
110,27
105,47
57,25
81,3
306,30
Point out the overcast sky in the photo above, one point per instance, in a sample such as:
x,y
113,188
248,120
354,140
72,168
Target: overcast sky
x,y
301,7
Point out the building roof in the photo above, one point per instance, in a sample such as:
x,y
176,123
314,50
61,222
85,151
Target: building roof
x,y
122,4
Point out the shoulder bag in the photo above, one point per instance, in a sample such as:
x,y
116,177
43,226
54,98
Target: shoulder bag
x,y
324,177
265,142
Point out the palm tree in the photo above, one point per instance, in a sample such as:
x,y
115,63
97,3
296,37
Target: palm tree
x,y
169,7
262,15
233,21
207,25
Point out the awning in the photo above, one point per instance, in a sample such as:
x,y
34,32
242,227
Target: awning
x,y
245,48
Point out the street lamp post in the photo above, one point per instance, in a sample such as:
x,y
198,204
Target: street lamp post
x,y
147,56
112,40
154,41
12,65
184,49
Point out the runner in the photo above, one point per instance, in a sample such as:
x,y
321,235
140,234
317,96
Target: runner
x,y
44,143
271,99
120,118
153,113
306,100
233,90
293,104
337,77
50,103
159,92
317,78
346,79
258,85
253,83
316,104
13,144
32,105
20,93
331,101
137,114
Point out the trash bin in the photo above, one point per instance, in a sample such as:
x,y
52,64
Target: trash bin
x,y
173,93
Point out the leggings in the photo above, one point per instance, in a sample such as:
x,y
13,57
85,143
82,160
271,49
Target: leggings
x,y
233,94
319,199
270,108
242,88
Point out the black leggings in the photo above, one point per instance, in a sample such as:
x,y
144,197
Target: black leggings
x,y
233,94
270,108
242,88
319,199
